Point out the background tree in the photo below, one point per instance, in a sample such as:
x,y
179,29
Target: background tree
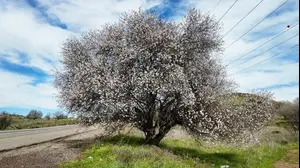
x,y
290,112
48,116
154,75
5,120
60,115
34,114
4,113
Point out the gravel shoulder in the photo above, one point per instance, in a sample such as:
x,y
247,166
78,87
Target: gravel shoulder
x,y
47,155
20,138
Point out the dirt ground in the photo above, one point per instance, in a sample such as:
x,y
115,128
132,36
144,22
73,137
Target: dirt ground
x,y
293,156
285,165
47,155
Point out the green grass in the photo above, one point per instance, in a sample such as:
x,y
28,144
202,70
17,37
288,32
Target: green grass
x,y
29,123
280,122
129,151
21,122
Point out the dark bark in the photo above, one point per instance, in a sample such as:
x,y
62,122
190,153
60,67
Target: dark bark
x,y
153,138
158,121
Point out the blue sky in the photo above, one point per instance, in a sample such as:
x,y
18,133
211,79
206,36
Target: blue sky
x,y
32,31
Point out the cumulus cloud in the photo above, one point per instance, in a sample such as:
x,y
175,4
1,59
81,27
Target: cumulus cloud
x,y
22,30
286,93
80,15
17,91
280,70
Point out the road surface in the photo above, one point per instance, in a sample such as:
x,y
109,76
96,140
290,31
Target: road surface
x,y
18,138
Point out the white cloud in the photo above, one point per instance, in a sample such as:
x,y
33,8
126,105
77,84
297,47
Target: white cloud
x,y
81,15
17,91
286,93
283,72
21,30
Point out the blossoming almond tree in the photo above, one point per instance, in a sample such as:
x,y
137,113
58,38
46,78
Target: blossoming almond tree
x,y
154,75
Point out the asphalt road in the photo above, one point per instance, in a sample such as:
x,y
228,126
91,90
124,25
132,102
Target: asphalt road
x,y
19,138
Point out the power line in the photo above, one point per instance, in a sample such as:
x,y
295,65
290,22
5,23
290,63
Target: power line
x,y
216,6
257,23
294,24
268,49
227,11
266,59
243,18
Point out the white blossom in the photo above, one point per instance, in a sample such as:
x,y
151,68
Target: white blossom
x,y
154,75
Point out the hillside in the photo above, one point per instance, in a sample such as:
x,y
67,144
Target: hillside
x,y
21,122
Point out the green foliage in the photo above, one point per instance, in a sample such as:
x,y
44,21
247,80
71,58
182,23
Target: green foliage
x,y
4,113
5,120
129,151
48,116
290,113
28,123
277,134
122,151
20,122
60,115
15,121
34,114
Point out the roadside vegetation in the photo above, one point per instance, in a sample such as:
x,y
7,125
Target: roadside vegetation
x,y
277,146
130,151
5,120
289,113
33,120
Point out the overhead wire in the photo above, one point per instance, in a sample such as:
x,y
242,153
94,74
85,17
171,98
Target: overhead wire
x,y
267,50
265,59
284,31
278,7
227,11
243,18
216,5
257,23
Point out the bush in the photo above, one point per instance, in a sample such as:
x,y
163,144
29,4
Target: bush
x,y
60,115
290,112
34,114
4,113
48,116
5,121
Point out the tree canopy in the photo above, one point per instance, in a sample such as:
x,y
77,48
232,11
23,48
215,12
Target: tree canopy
x,y
156,74
34,114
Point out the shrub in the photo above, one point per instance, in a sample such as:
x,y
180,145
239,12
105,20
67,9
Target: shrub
x,y
4,113
5,121
290,112
60,115
48,116
34,114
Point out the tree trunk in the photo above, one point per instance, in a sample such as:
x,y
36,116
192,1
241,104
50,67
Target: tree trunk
x,y
160,118
153,138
